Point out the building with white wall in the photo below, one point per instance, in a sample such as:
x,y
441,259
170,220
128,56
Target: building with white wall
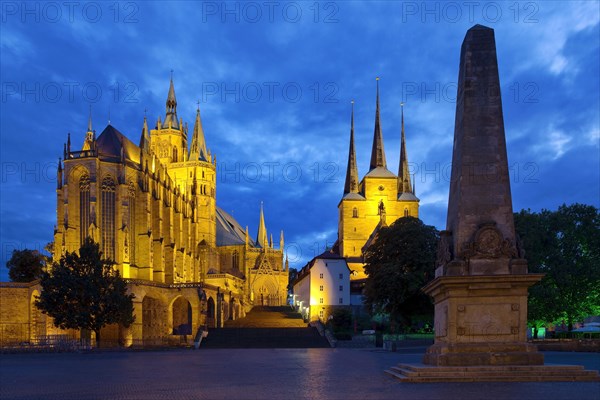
x,y
322,285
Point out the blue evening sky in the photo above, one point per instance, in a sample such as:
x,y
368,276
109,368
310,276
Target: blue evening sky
x,y
275,80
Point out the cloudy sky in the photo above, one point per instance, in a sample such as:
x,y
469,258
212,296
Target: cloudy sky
x,y
274,81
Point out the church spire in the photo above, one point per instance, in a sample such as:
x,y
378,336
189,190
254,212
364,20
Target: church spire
x,y
351,185
171,120
403,174
261,237
377,152
89,136
145,137
198,149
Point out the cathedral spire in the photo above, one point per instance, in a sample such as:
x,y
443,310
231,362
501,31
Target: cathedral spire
x,y
377,152
404,185
89,136
171,120
90,120
261,237
145,137
351,185
198,149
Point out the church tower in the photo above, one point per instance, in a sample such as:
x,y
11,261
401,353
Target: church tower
x,y
169,138
377,201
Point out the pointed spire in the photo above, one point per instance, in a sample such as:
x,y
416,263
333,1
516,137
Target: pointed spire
x,y
145,137
351,185
90,120
261,237
287,263
281,242
404,185
69,143
377,152
171,120
271,241
198,148
89,136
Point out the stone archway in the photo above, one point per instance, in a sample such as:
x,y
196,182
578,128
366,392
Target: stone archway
x,y
153,321
182,317
210,313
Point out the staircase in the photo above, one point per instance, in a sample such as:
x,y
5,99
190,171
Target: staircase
x,y
492,373
265,327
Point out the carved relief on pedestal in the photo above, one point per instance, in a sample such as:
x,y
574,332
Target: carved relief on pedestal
x,y
488,242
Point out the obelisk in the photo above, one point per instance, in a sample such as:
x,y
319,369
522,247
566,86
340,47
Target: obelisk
x,y
480,289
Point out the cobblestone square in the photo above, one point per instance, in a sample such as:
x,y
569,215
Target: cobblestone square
x,y
256,374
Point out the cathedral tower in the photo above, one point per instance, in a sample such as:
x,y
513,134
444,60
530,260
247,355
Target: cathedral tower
x,y
377,201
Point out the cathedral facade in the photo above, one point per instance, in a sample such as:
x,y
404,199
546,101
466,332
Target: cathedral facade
x,y
152,208
375,201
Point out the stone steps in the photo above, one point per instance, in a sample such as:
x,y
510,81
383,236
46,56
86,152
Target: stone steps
x,y
484,373
265,327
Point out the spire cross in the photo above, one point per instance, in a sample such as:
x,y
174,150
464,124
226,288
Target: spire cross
x,y
198,105
171,74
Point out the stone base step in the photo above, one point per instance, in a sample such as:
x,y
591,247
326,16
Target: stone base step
x,y
485,373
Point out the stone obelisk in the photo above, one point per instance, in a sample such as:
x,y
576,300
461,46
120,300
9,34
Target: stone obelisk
x,y
480,289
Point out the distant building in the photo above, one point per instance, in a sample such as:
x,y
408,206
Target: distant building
x,y
376,201
321,286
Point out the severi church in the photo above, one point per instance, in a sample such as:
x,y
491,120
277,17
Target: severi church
x,y
376,201
152,208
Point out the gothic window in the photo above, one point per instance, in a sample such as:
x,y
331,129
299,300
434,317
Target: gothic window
x,y
84,207
355,212
235,260
321,288
108,217
174,154
341,301
131,195
406,214
321,300
341,288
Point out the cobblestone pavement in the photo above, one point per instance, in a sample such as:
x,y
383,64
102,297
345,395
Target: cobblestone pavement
x,y
255,374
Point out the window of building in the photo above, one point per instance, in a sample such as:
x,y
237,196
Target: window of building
x,y
235,260
321,276
321,314
341,276
341,288
84,207
321,288
321,300
341,301
107,204
132,235
406,214
355,212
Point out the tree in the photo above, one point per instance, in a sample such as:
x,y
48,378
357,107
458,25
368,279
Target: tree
x,y
565,246
398,264
84,291
25,265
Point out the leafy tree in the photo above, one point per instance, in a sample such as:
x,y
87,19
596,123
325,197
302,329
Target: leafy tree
x,y
564,245
293,274
84,291
25,265
398,264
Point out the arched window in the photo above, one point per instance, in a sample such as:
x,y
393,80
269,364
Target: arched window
x,y
406,213
174,154
84,207
108,217
355,212
235,261
131,200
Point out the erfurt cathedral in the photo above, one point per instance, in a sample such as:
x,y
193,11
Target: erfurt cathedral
x,y
152,208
